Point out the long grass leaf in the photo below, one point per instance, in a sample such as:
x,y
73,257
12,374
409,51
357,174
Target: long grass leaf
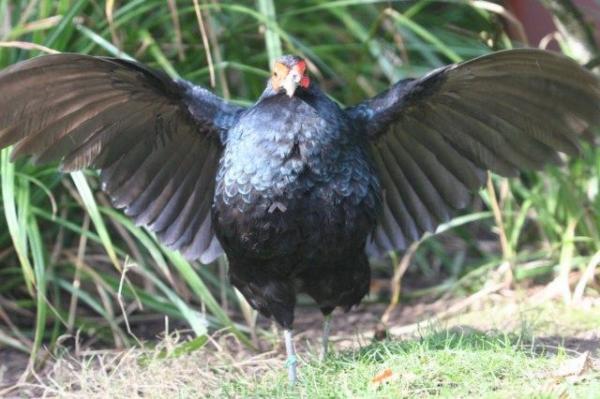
x,y
425,34
17,234
272,39
200,289
92,207
38,255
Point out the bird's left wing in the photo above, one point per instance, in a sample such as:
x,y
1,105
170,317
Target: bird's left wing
x,y
156,140
434,138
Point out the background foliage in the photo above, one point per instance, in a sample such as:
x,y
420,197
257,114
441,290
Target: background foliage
x,y
69,263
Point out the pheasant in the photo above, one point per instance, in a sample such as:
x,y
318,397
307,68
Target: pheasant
x,y
297,191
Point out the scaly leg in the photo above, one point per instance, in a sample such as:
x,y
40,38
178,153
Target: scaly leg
x,y
325,337
291,356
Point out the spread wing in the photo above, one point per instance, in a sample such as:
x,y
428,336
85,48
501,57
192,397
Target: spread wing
x,y
156,140
434,138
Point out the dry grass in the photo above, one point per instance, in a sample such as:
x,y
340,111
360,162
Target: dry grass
x,y
160,371
505,334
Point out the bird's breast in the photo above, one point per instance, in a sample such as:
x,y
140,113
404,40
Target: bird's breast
x,y
289,178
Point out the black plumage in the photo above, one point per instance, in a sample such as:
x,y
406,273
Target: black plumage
x,y
297,191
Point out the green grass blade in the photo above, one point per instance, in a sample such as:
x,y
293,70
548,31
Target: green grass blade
x,y
38,255
158,55
90,204
202,291
272,39
425,35
103,43
195,319
59,36
17,234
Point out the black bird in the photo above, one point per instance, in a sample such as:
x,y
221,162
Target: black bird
x,y
297,191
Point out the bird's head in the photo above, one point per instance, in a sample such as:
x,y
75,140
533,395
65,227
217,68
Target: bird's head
x,y
289,72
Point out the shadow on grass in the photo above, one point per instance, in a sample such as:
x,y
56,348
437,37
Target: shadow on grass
x,y
553,344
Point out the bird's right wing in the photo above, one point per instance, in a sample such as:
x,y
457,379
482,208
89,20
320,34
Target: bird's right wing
x,y
434,138
156,140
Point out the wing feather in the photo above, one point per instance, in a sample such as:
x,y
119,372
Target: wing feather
x,y
157,141
433,138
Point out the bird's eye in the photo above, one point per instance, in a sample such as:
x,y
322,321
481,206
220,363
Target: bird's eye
x,y
275,74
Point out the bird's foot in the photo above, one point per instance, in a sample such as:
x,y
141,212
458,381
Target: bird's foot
x,y
292,366
292,361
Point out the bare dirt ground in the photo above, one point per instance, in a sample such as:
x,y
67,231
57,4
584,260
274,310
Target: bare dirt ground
x,y
12,365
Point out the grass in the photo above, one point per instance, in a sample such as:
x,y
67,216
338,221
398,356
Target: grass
x,y
453,360
70,265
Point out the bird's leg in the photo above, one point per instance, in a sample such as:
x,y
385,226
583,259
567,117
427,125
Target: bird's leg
x,y
291,356
325,337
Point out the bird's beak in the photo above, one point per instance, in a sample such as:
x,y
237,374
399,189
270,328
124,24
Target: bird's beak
x,y
291,82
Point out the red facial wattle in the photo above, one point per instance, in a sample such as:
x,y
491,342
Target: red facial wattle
x,y
305,82
300,67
